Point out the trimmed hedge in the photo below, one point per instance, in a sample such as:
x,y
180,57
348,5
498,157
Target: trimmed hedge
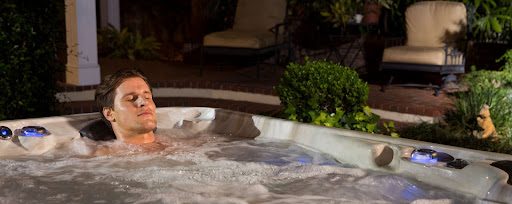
x,y
327,94
321,86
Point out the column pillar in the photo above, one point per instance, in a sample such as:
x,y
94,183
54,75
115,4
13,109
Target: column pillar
x,y
109,14
82,67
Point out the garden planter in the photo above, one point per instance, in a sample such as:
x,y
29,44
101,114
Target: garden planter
x,y
372,12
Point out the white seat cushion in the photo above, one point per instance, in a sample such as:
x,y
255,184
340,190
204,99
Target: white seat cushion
x,y
414,55
240,39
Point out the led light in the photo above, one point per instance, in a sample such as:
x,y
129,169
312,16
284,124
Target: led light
x,y
425,156
32,131
5,133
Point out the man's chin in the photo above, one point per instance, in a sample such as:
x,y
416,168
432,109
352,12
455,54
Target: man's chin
x,y
150,126
147,123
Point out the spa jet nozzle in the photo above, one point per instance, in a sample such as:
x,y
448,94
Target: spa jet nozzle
x,y
425,156
5,133
32,131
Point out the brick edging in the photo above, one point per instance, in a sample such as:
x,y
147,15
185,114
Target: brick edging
x,y
75,107
202,84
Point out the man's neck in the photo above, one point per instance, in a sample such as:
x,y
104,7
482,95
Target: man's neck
x,y
135,138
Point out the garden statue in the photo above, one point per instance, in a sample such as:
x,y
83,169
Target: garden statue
x,y
485,122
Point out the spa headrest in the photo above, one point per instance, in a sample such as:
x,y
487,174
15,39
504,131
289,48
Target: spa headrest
x,y
98,130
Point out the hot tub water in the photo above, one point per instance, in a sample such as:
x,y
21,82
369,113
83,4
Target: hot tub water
x,y
204,169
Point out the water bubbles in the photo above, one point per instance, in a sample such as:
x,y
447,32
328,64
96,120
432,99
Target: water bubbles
x,y
204,169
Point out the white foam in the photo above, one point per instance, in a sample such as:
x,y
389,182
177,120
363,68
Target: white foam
x,y
204,169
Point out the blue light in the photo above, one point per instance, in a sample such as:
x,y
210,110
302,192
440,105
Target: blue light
x,y
5,133
32,132
304,159
411,193
424,156
424,161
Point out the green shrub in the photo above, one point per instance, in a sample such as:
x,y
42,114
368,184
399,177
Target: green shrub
x,y
502,78
479,77
467,106
31,34
507,59
328,94
493,88
125,44
430,133
444,134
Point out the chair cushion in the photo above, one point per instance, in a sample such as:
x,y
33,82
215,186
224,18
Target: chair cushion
x,y
260,15
240,39
435,23
414,55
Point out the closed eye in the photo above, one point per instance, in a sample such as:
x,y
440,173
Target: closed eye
x,y
130,98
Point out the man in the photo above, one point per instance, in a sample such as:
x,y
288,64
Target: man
x,y
125,102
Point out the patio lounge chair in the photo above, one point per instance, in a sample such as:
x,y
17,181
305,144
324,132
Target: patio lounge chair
x,y
259,28
435,32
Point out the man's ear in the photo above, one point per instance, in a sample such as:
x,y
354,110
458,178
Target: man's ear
x,y
109,114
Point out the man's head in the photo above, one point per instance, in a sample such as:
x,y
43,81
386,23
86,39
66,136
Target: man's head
x,y
125,102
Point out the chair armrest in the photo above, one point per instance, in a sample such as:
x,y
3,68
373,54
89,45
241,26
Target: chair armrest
x,y
454,56
276,29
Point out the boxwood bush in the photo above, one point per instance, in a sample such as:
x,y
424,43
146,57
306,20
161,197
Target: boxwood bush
x,y
325,93
30,35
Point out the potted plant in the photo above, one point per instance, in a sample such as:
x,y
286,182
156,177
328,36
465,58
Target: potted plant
x,y
341,12
372,10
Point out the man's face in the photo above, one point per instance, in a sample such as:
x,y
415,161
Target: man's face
x,y
134,109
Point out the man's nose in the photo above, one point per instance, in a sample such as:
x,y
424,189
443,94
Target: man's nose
x,y
140,102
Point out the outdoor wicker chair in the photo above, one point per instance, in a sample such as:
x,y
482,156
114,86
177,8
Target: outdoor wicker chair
x,y
436,32
259,28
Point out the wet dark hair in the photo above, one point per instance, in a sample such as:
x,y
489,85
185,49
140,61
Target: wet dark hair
x,y
106,91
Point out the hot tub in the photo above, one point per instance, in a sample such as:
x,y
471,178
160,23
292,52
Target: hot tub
x,y
220,156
